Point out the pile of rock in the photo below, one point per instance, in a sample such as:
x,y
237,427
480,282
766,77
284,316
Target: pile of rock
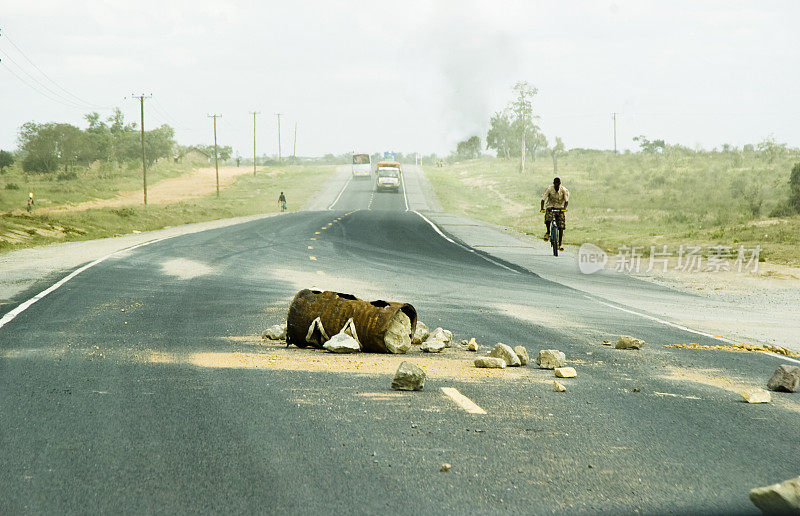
x,y
502,356
432,341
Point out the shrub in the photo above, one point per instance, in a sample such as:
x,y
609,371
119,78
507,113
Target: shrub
x,y
794,188
12,186
66,176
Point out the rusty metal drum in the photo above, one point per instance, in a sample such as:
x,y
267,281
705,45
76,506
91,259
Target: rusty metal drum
x,y
377,322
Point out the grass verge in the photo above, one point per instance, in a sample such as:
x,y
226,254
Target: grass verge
x,y
635,200
248,195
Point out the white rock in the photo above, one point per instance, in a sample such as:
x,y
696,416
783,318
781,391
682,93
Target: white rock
x,y
756,395
445,336
628,342
558,386
432,346
551,358
522,354
398,335
420,333
782,498
472,345
275,332
342,343
566,372
506,353
409,377
490,362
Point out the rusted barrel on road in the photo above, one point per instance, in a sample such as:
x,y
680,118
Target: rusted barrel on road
x,y
382,327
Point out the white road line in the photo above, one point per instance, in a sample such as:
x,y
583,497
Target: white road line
x,y
405,197
7,318
439,232
662,321
341,192
462,401
684,328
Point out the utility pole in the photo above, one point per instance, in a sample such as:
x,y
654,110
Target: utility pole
x,y
279,136
141,123
216,154
254,113
524,151
294,145
614,118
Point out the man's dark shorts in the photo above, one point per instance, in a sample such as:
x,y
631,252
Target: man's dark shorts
x,y
561,221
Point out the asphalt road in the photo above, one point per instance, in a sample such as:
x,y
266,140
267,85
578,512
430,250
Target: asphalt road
x,y
94,418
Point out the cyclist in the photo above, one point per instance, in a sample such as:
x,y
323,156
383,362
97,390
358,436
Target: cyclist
x,y
555,196
282,202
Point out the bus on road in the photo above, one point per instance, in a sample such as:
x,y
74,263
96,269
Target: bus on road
x,y
362,165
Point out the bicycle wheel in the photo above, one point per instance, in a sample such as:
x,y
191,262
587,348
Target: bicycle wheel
x,y
554,237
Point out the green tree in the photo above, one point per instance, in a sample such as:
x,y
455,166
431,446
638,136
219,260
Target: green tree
x,y
522,107
499,136
794,188
771,149
650,147
6,160
469,148
48,146
555,151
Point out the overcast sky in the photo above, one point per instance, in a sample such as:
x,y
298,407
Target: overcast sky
x,y
407,76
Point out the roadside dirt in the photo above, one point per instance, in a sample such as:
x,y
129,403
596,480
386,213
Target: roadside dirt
x,y
198,183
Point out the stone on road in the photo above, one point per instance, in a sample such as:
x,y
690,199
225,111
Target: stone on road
x,y
409,377
558,386
551,358
522,354
490,362
566,372
342,343
432,346
756,395
398,334
275,332
781,498
472,345
628,342
445,336
421,333
785,378
505,352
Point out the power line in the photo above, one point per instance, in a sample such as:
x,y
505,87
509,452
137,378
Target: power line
x,y
50,79
37,90
63,99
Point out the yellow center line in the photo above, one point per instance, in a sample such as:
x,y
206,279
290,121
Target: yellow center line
x,y
312,258
312,238
316,232
462,401
311,247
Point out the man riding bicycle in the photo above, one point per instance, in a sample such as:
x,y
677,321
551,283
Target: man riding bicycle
x,y
557,198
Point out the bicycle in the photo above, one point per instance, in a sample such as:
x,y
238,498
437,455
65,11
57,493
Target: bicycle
x,y
555,232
